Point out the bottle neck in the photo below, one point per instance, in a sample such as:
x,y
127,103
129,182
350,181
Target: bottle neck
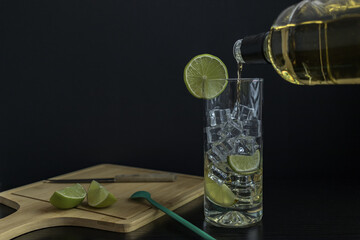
x,y
252,49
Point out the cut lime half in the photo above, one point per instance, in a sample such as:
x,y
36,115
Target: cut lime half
x,y
205,75
68,197
244,164
99,197
220,194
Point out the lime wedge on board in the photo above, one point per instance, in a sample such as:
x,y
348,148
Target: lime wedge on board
x,y
68,197
98,196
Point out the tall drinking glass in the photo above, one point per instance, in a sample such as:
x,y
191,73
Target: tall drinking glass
x,y
233,154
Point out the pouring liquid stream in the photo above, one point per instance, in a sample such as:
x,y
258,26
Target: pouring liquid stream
x,y
239,70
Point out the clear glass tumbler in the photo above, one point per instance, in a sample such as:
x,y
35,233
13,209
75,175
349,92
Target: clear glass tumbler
x,y
233,154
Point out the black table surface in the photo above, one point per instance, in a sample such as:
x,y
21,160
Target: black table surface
x,y
294,208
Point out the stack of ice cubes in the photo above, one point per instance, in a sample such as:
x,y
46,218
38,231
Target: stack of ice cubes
x,y
230,132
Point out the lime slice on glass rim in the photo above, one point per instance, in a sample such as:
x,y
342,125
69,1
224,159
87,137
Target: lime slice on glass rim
x,y
204,76
98,196
68,197
244,164
220,194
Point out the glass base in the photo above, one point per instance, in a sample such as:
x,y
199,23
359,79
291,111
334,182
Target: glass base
x,y
230,217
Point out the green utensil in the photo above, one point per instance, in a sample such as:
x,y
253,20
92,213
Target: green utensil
x,y
147,196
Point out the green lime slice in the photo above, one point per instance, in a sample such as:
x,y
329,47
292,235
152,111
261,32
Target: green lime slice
x,y
98,196
244,164
204,76
68,197
220,194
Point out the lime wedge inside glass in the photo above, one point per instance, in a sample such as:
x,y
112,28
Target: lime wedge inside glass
x,y
99,197
204,76
244,164
68,197
220,194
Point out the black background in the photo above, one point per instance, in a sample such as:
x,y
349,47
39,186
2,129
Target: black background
x,y
89,82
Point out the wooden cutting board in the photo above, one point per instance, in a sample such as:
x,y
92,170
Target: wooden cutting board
x,y
35,212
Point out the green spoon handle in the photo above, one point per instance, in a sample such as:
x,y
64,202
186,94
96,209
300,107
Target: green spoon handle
x,y
181,220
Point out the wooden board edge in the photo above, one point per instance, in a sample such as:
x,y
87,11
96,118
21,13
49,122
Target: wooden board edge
x,y
9,202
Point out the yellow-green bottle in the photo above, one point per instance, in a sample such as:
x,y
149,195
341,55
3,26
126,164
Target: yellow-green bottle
x,y
312,42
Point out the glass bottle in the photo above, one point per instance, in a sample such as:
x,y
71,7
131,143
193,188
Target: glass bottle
x,y
312,42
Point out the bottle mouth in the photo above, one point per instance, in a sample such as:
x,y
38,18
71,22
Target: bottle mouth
x,y
250,49
237,51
